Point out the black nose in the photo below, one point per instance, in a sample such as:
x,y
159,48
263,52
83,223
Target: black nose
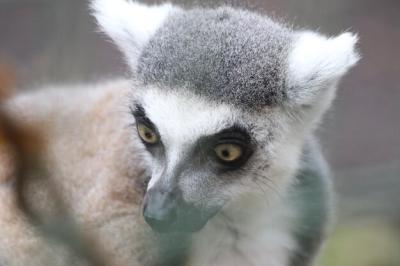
x,y
159,210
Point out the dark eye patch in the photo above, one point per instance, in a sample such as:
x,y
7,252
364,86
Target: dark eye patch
x,y
141,118
237,135
140,115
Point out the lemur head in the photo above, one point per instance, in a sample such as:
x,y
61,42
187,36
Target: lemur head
x,y
224,101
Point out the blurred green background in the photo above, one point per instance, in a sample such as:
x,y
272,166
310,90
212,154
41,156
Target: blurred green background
x,y
48,41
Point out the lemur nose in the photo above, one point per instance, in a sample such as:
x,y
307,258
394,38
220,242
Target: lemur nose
x,y
159,210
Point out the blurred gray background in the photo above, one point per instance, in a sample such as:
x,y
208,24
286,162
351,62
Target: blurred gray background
x,y
56,41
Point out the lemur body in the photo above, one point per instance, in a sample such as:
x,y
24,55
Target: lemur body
x,y
225,102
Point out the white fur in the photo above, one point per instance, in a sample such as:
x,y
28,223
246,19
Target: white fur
x,y
249,232
130,24
316,60
263,221
182,118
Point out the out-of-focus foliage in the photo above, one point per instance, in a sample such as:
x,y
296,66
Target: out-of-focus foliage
x,y
363,243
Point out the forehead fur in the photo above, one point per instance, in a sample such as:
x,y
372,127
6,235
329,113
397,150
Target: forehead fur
x,y
227,55
182,118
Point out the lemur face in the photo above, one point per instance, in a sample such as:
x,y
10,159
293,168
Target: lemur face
x,y
195,150
224,99
204,155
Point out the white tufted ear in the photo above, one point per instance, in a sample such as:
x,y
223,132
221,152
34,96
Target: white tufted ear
x,y
316,63
130,24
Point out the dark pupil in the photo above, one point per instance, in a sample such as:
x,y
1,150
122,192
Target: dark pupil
x,y
225,153
148,135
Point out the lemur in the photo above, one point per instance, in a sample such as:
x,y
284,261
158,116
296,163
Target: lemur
x,y
221,166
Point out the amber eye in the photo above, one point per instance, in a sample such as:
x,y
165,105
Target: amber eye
x,y
228,152
147,134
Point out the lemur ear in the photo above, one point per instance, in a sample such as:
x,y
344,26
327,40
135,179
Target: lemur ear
x,y
130,24
316,63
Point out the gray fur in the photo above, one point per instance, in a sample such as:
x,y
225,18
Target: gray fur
x,y
247,61
311,196
227,55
